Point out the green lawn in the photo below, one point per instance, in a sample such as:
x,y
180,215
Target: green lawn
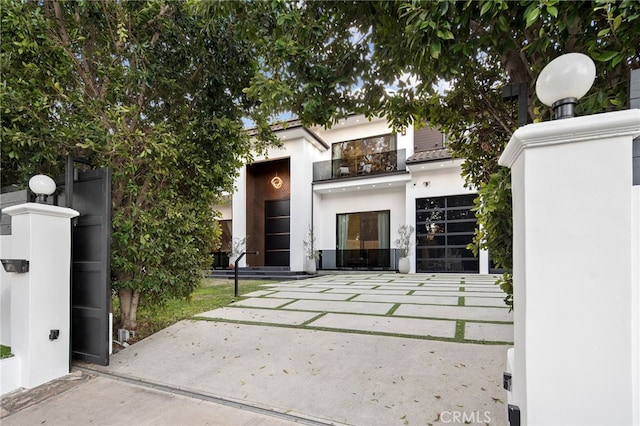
x,y
212,294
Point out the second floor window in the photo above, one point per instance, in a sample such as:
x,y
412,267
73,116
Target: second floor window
x,y
366,155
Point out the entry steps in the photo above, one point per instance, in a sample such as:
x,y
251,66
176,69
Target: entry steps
x,y
282,273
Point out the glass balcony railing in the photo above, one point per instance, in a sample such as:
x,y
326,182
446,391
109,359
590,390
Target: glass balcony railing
x,y
364,259
361,165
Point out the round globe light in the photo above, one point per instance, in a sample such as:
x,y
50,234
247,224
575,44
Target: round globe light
x,y
42,186
568,76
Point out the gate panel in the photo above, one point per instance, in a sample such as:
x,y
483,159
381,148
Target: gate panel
x,y
90,194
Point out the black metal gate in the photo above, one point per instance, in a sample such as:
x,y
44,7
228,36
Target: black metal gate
x,y
89,192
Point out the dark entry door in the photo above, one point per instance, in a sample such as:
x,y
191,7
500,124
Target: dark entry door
x,y
89,192
276,232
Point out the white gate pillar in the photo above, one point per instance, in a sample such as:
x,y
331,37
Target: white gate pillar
x,y
575,271
40,298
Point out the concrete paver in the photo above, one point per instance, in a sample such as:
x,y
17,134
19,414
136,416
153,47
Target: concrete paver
x,y
268,316
367,291
312,296
341,306
455,312
483,301
427,300
262,302
488,331
391,325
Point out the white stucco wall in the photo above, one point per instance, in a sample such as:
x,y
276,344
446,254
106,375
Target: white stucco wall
x,y
5,292
302,153
329,205
225,210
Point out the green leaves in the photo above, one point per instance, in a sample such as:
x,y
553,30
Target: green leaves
x,y
435,47
531,14
149,89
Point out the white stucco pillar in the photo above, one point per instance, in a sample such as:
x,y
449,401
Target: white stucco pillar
x,y
239,210
575,270
40,298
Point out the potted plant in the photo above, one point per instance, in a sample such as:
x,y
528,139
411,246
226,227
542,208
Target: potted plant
x,y
310,253
405,244
238,246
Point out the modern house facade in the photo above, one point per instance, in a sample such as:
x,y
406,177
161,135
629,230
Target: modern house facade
x,y
355,184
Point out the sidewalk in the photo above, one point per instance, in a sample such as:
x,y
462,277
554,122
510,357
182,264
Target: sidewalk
x,y
376,349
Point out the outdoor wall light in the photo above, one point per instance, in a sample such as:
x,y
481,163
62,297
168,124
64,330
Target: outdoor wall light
x,y
565,80
19,266
42,186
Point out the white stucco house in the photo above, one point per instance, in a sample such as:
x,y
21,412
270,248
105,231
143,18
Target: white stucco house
x,y
355,184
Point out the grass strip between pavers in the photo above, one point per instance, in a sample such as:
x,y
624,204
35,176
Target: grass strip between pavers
x,y
393,310
459,330
349,331
459,333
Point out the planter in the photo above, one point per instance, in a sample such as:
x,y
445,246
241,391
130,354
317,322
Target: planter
x,y
310,266
404,265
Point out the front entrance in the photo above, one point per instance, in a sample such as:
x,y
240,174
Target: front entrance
x,y
444,228
268,195
277,232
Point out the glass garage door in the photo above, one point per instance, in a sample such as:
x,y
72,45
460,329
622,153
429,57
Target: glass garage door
x,y
444,228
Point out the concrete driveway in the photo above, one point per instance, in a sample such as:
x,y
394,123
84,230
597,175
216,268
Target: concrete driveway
x,y
461,308
374,349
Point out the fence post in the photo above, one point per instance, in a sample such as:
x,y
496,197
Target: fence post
x,y
575,270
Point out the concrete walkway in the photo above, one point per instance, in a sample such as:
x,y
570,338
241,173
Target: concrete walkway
x,y
375,349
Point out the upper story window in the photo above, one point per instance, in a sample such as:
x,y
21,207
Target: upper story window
x,y
364,156
349,150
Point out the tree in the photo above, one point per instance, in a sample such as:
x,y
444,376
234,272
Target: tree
x,y
315,55
146,89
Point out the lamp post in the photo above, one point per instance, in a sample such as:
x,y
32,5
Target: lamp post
x,y
573,287
42,186
564,81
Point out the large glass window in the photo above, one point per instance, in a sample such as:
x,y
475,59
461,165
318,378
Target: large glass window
x,y
363,156
363,240
366,230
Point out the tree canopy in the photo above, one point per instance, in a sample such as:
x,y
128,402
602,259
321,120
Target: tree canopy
x,y
147,89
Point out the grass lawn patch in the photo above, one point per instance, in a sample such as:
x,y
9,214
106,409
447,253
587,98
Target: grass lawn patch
x,y
212,294
5,351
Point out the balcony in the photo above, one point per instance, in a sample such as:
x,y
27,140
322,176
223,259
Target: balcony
x,y
360,166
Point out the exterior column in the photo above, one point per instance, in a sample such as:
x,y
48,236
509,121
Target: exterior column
x,y
575,270
40,298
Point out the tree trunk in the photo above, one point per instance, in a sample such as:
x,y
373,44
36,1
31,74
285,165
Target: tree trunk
x,y
128,307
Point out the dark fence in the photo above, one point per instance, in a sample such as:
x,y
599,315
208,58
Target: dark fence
x,y
365,259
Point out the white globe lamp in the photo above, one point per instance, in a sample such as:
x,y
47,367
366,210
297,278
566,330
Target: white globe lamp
x,y
42,186
565,80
